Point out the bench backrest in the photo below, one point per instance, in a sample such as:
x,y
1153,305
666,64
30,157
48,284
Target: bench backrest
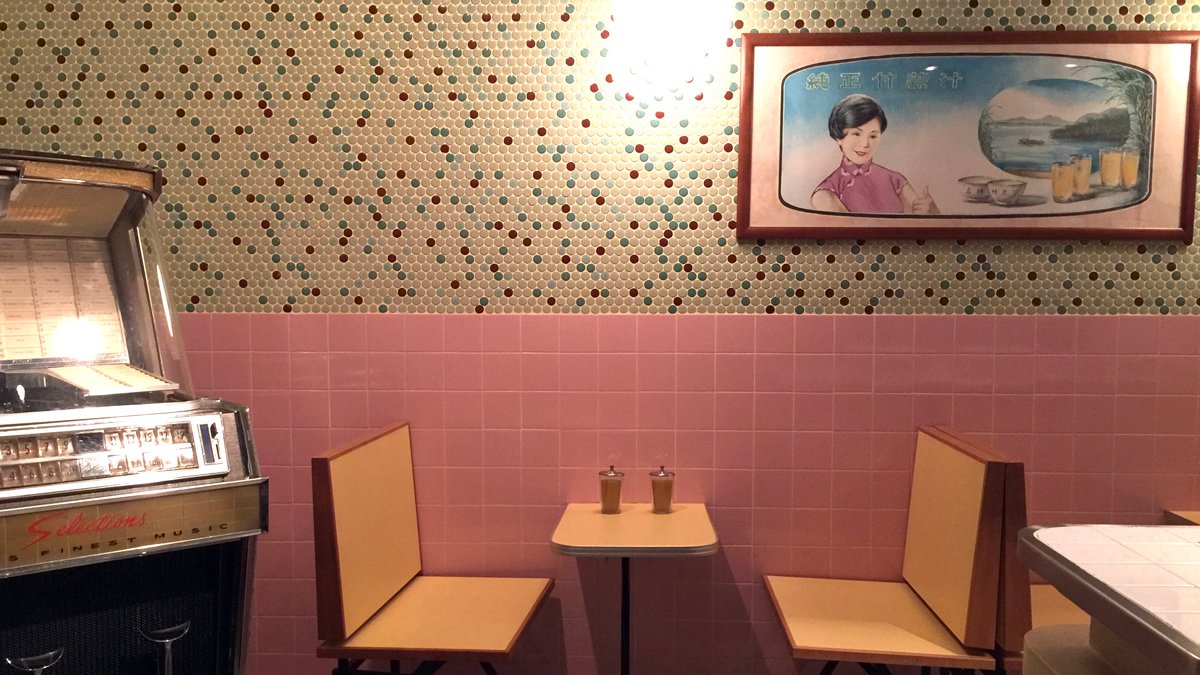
x,y
952,547
365,530
1014,614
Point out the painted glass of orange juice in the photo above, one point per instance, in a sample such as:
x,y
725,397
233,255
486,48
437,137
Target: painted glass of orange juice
x,y
1129,167
1062,181
1110,167
1083,173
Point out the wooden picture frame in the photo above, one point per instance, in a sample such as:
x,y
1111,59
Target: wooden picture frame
x,y
1043,135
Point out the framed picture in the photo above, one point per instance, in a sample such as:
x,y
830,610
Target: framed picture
x,y
979,135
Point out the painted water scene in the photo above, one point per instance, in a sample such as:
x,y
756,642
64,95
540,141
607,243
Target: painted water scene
x,y
987,136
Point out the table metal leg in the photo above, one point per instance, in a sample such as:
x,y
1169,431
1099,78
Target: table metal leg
x,y
625,616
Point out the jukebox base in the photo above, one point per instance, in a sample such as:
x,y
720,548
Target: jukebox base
x,y
98,613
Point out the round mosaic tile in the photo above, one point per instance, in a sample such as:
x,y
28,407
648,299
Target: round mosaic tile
x,y
509,156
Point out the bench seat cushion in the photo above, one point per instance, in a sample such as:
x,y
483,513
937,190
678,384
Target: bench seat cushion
x,y
446,617
871,621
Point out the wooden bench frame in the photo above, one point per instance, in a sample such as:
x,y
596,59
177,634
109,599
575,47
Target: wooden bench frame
x,y
373,602
949,596
1022,605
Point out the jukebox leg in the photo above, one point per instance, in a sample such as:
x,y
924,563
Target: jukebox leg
x,y
165,638
36,664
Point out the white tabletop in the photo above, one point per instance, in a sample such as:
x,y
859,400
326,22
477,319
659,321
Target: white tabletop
x,y
1143,582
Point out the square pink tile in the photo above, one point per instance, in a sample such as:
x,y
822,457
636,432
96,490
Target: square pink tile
x,y
309,333
501,410
696,333
773,372
813,449
852,450
1096,374
463,371
1179,335
230,332
656,372
539,372
347,370
814,372
1056,334
579,372
500,371
695,373
892,412
812,489
272,410
502,333
973,413
425,333
350,409
1012,414
618,333
773,412
619,410
1097,334
813,412
232,370
655,333
1016,334
853,372
1053,414
656,410
269,332
815,334
774,334
464,409
894,334
1015,373
852,412
196,331
933,373
580,333
735,333
309,370
384,332
271,370
1138,334
463,332
348,332
1054,373
1136,374
1178,375
854,334
694,411
734,372
1095,414
974,373
617,372
974,334
422,372
934,334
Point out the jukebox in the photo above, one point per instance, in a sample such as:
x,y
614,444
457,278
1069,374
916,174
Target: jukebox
x,y
128,507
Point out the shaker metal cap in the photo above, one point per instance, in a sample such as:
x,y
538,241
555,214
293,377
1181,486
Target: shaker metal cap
x,y
662,472
612,472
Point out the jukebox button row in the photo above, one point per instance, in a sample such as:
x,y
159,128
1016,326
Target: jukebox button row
x,y
96,465
36,447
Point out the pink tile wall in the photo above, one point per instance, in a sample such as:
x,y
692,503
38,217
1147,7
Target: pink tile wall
x,y
796,431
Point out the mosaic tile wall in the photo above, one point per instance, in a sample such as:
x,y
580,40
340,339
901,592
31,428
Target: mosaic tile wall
x,y
500,157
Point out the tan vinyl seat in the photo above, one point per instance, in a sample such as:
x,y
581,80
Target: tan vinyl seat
x,y
944,613
372,600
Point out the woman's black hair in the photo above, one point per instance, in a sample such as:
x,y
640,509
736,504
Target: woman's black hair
x,y
854,111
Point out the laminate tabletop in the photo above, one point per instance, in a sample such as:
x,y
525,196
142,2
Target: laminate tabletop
x,y
635,532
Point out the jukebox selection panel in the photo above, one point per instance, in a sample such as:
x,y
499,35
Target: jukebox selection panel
x,y
53,461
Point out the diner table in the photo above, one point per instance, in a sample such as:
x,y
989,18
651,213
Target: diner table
x,y
635,532
1140,584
